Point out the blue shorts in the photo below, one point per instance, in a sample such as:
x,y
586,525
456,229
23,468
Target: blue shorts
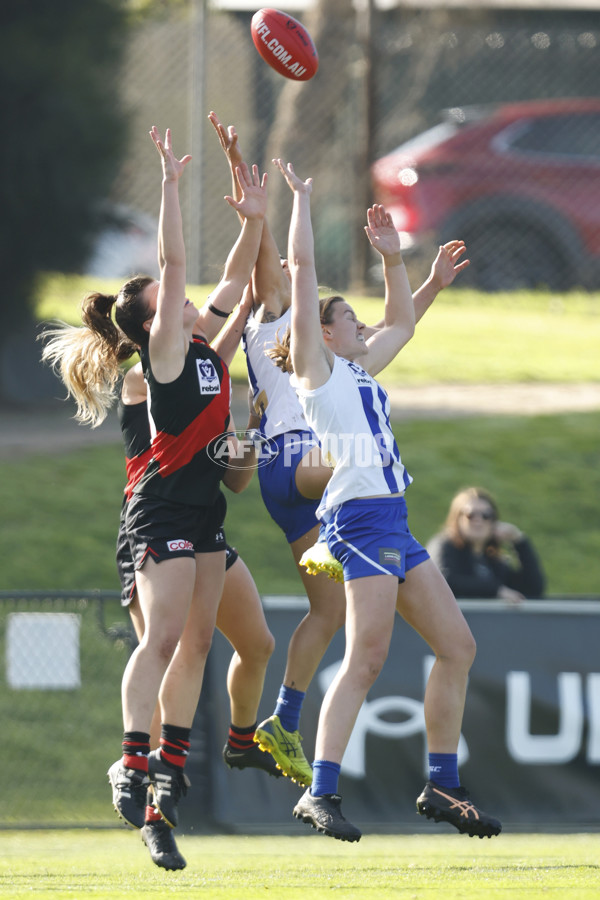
x,y
371,537
294,514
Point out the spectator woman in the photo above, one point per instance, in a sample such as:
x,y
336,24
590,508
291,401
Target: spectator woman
x,y
482,557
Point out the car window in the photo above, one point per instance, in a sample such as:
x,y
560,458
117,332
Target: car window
x,y
575,136
430,138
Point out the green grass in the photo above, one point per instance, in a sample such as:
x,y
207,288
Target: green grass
x,y
543,470
468,337
114,864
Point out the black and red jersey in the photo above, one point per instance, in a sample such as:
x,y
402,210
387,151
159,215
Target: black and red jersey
x,y
185,416
135,429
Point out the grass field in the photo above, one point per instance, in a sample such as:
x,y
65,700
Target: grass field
x,y
115,864
544,471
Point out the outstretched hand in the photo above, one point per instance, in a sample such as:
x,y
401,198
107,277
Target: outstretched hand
x,y
296,184
172,167
381,231
447,264
253,202
229,140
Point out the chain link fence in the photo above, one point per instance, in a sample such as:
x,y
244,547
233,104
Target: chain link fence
x,y
385,77
62,656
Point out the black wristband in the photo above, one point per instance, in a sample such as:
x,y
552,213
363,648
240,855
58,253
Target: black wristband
x,y
218,312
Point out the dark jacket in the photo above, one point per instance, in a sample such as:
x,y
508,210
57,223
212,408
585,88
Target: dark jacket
x,y
471,576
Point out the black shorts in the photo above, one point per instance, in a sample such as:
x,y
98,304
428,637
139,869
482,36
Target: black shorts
x,y
126,567
162,530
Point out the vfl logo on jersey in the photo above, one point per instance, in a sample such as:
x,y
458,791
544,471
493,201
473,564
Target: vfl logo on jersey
x,y
360,375
207,377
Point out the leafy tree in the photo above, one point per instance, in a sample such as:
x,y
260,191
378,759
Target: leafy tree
x,y
63,133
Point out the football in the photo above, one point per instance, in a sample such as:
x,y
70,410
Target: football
x,y
285,44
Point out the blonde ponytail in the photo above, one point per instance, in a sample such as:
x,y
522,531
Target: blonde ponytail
x,y
280,352
87,358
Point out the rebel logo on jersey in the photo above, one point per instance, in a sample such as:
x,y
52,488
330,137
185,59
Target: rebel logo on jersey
x,y
208,378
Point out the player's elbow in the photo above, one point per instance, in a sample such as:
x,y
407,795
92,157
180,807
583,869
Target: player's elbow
x,y
404,332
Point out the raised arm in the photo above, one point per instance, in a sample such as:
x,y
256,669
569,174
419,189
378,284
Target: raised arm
x,y
166,345
228,339
446,266
444,269
399,310
271,284
229,142
252,206
312,361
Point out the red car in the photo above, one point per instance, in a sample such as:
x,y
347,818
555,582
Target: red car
x,y
520,183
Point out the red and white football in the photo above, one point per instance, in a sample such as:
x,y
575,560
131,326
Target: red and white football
x,y
285,44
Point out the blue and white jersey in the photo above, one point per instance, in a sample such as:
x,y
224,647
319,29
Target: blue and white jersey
x,y
350,416
274,398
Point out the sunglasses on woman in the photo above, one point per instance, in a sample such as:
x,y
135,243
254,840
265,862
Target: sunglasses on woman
x,y
479,514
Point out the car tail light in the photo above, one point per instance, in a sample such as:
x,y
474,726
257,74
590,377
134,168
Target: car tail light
x,y
403,208
405,217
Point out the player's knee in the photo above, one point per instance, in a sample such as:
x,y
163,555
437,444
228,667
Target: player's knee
x,y
263,648
460,652
369,663
467,648
166,647
269,645
331,616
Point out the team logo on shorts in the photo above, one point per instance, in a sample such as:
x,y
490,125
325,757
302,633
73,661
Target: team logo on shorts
x,y
207,377
179,544
389,556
